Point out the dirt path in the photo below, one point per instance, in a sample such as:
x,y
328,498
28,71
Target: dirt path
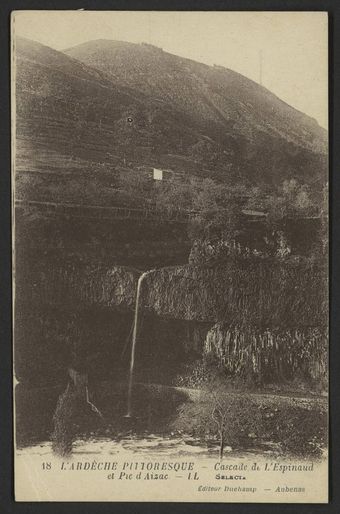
x,y
293,398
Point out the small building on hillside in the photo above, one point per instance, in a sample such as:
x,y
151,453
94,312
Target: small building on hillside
x,y
162,174
157,174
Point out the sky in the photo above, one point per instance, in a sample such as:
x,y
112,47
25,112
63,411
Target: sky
x,y
292,46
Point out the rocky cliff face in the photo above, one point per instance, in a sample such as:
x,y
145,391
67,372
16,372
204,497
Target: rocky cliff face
x,y
269,355
263,292
79,287
260,318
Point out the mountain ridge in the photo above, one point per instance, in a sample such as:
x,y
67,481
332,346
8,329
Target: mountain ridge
x,y
140,59
70,50
149,107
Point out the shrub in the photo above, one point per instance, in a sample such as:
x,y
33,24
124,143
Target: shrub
x,y
301,431
245,420
220,415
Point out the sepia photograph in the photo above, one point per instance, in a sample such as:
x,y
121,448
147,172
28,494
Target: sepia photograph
x,y
170,256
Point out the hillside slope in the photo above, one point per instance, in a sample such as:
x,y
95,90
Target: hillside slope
x,y
106,104
209,94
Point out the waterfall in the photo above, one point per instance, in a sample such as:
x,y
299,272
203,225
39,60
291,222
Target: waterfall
x,y
134,340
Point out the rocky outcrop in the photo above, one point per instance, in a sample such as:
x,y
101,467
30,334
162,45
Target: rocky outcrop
x,y
79,286
269,355
263,292
260,319
259,292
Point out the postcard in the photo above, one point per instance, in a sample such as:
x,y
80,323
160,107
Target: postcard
x,y
170,256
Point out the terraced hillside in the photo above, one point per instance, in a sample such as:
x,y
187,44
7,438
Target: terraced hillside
x,y
107,104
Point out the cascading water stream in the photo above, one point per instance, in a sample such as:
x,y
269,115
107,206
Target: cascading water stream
x,y
134,340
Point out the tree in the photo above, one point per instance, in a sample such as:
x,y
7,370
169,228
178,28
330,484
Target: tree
x,y
216,211
228,417
172,196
